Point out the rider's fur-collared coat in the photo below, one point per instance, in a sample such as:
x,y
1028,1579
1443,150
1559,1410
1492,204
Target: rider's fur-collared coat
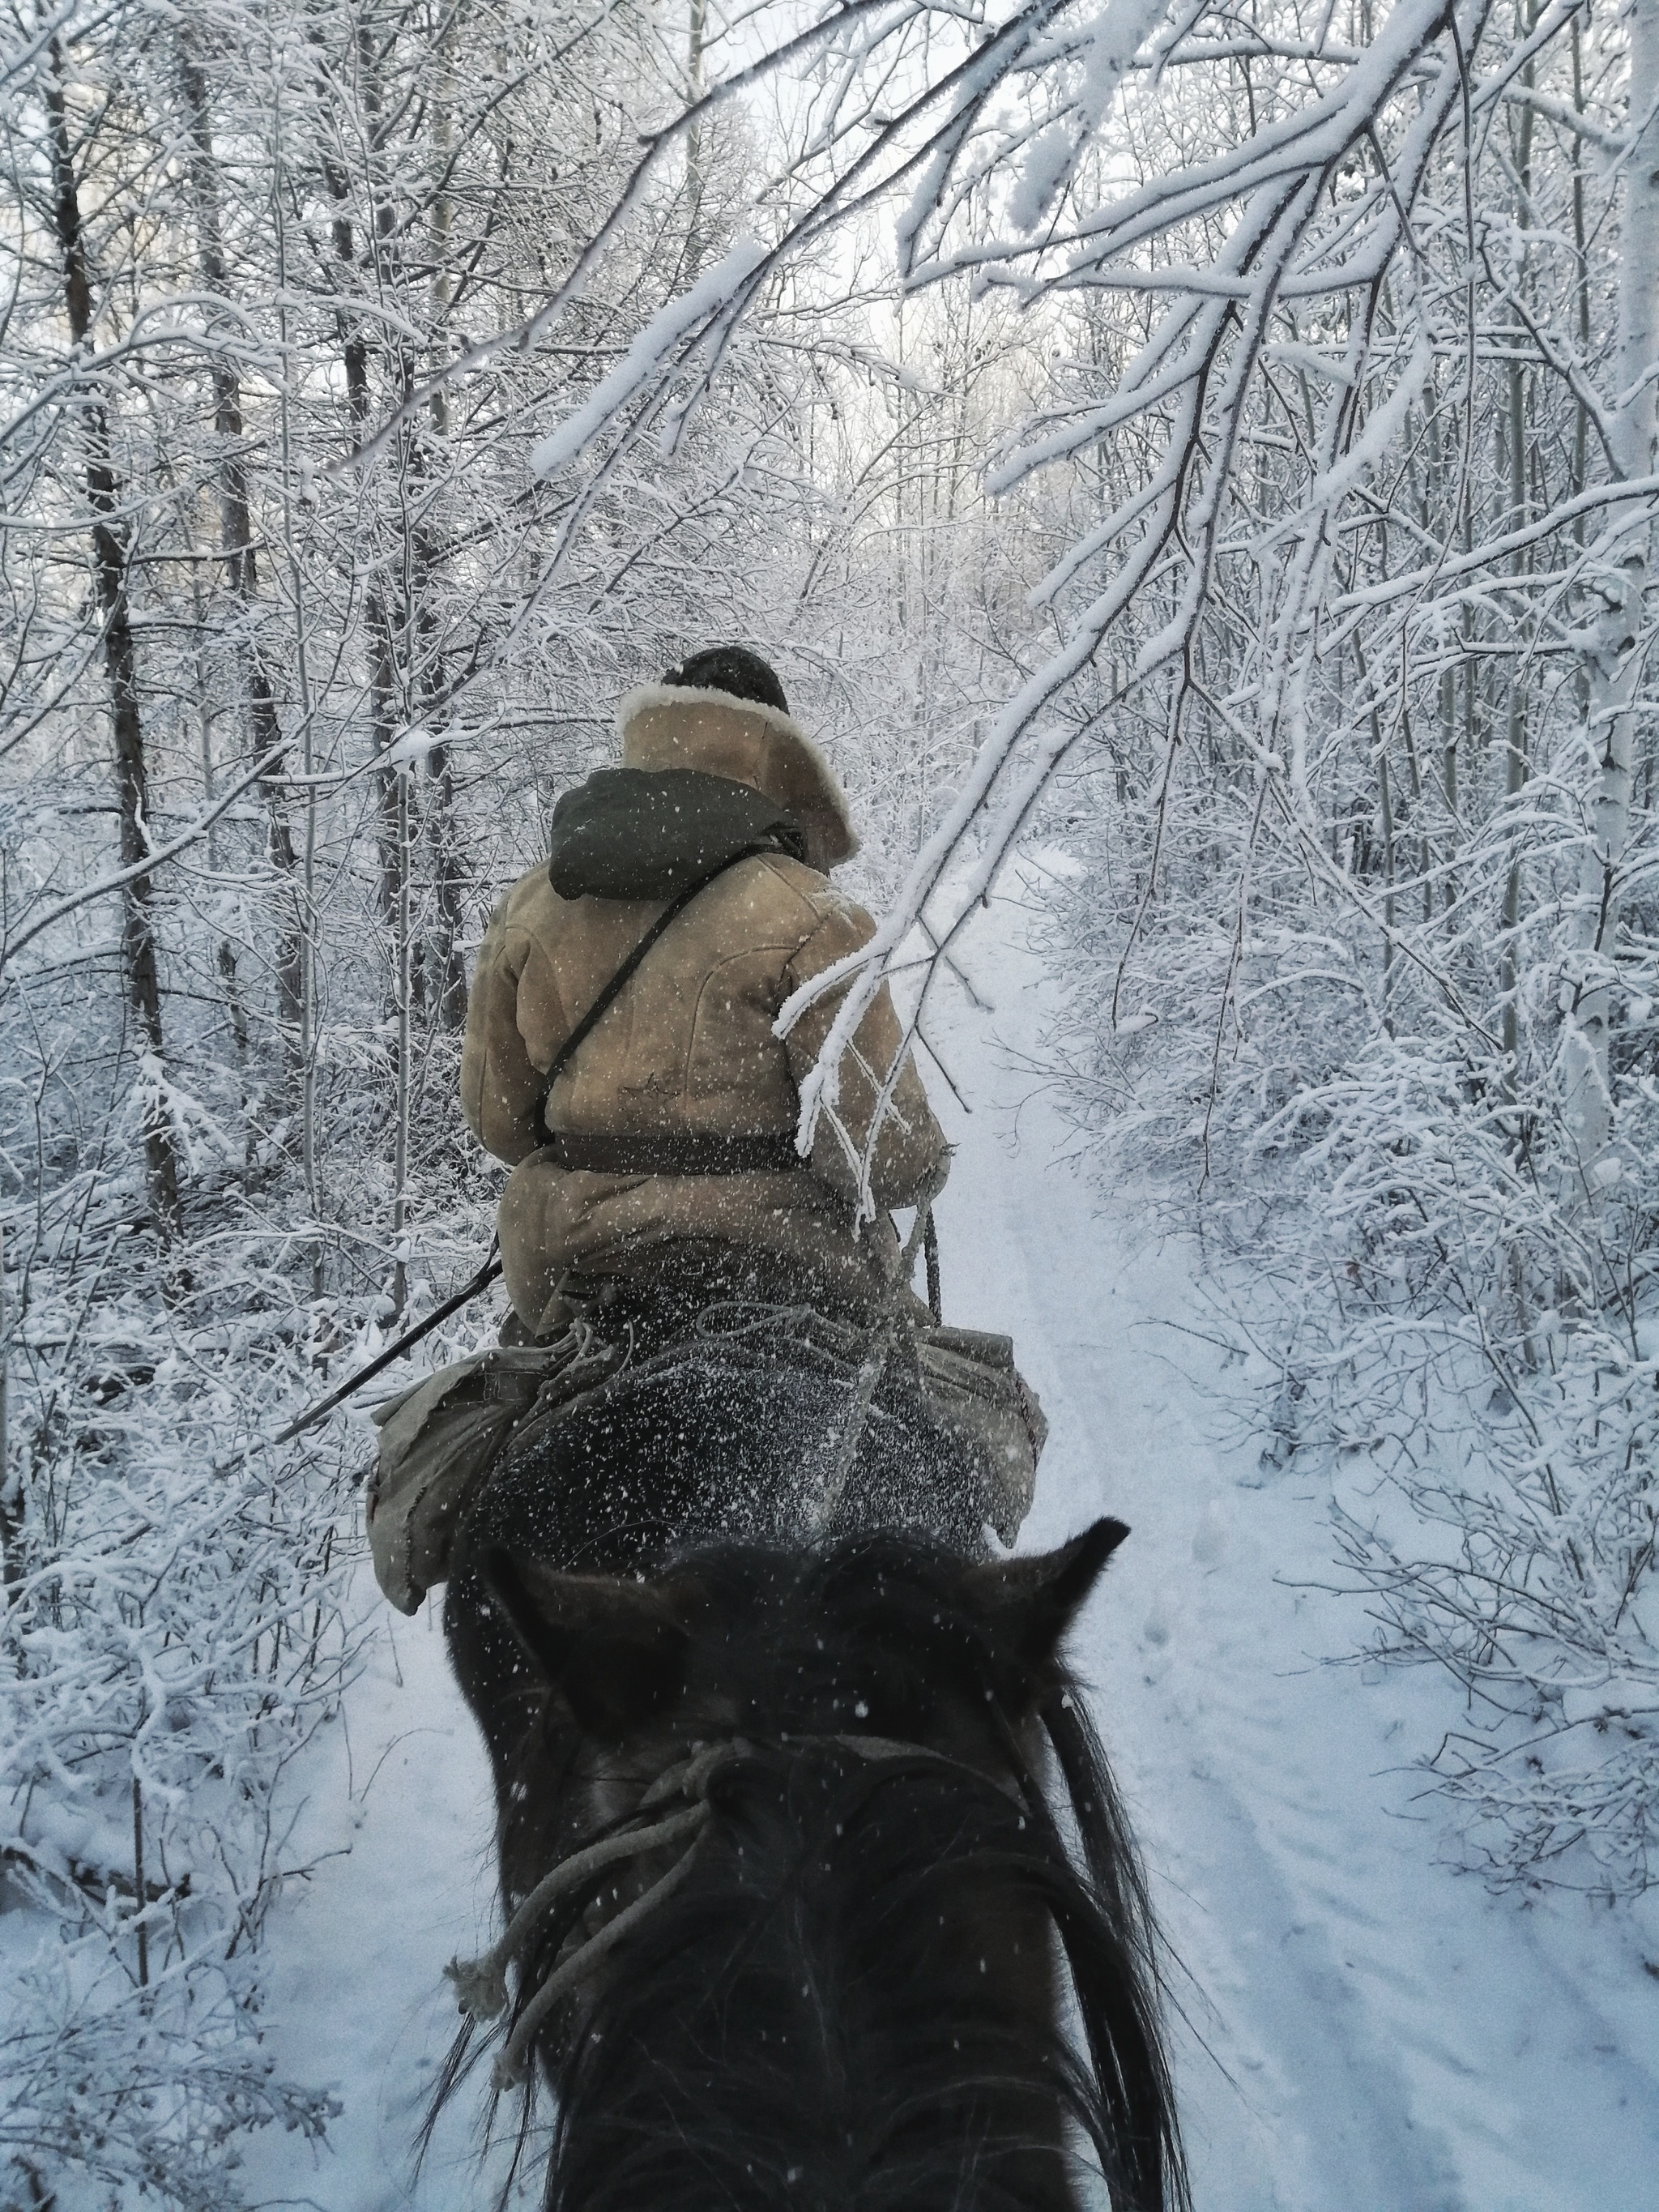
x,y
689,1049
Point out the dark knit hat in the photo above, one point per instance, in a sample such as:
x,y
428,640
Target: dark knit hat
x,y
732,669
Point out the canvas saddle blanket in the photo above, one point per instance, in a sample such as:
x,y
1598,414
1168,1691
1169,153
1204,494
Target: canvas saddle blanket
x,y
441,1438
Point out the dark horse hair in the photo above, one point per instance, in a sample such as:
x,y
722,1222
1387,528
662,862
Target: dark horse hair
x,y
855,2000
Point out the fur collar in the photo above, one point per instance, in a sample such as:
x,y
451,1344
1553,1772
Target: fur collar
x,y
649,698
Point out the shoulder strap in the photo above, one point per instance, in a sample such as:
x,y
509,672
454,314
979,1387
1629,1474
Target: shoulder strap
x,y
624,975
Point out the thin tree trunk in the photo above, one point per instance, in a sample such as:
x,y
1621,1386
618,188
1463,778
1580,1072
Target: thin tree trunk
x,y
1515,768
1581,421
404,940
449,970
391,679
382,678
1385,796
383,735
109,554
310,1155
443,834
236,539
234,1004
696,181
385,621
1611,651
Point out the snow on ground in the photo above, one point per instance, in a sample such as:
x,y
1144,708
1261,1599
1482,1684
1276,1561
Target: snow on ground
x,y
1366,2030
397,1831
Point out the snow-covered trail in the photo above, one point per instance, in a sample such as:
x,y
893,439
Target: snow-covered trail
x,y
1380,2033
1365,2032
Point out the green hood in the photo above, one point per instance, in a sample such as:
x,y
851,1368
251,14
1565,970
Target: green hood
x,y
636,833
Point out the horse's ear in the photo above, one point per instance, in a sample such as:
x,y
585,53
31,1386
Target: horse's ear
x,y
1039,1595
612,1649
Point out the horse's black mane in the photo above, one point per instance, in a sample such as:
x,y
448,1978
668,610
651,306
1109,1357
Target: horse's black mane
x,y
798,2025
816,2045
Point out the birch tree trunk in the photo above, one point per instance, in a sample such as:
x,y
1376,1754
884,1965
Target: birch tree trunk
x,y
695,176
442,824
109,562
236,539
1610,640
1516,764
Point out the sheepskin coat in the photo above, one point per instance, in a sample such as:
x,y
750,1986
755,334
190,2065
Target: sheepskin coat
x,y
687,1050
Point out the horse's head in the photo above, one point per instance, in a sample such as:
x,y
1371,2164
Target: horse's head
x,y
881,1636
785,1885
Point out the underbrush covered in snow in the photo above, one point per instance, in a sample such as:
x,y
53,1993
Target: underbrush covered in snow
x,y
175,1632
1461,1326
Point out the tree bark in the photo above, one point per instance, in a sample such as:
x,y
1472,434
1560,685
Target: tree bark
x,y
109,563
449,970
442,828
695,178
236,540
11,1485
1516,760
1610,639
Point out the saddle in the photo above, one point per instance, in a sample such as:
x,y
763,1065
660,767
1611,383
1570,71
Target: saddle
x,y
442,1440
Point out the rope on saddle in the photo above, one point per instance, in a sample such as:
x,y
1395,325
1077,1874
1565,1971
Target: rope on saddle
x,y
481,1984
841,1445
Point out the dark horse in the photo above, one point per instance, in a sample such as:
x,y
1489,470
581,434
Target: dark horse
x,y
792,1921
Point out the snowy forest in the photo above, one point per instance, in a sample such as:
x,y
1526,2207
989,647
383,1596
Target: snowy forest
x,y
1197,466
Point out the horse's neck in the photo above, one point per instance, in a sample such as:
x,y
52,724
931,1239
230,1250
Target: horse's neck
x,y
830,2008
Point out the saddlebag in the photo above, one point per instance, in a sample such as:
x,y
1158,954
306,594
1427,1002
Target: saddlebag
x,y
440,1438
973,1391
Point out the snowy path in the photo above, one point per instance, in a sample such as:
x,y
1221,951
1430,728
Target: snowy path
x,y
1367,2032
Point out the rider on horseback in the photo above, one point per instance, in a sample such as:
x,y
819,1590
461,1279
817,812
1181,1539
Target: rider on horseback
x,y
703,1321
664,1154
